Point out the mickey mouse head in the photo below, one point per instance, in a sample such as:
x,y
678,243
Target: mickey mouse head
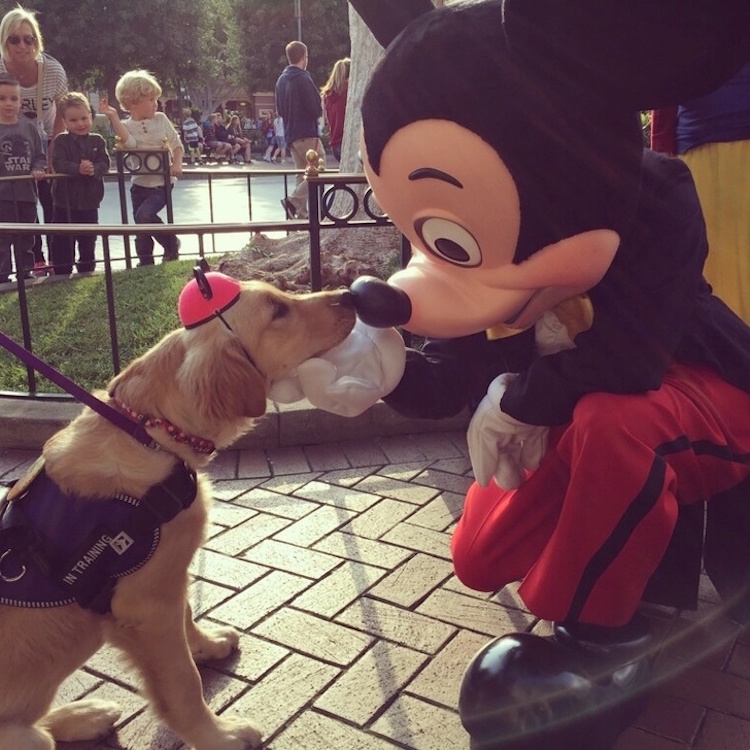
x,y
503,138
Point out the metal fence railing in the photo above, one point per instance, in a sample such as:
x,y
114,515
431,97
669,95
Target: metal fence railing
x,y
323,188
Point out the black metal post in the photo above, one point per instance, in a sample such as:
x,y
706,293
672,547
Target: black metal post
x,y
123,205
316,280
111,312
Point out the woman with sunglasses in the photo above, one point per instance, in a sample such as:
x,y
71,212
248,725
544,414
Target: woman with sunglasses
x,y
43,81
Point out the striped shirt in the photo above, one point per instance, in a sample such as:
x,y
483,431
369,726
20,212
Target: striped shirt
x,y
191,130
54,86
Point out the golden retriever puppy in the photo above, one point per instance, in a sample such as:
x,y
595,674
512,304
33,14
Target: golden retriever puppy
x,y
204,386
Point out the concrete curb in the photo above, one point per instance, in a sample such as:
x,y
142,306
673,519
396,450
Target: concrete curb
x,y
27,423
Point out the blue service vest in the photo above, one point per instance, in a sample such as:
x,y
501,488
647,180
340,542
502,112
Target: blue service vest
x,y
57,549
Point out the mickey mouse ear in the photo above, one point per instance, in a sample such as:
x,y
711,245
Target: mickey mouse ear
x,y
636,54
386,18
208,294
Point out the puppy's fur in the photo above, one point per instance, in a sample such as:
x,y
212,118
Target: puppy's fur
x,y
202,381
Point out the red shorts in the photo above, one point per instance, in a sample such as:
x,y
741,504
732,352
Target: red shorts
x,y
588,529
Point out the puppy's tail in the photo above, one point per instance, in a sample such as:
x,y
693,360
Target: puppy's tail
x,y
18,737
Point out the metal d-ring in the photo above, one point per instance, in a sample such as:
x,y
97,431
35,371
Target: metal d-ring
x,y
10,579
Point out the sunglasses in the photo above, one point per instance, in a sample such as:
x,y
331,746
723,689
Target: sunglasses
x,y
28,39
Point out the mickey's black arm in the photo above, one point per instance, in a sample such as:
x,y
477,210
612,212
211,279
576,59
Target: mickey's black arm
x,y
642,308
447,375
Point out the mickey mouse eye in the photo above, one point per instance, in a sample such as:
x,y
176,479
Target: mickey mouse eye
x,y
450,242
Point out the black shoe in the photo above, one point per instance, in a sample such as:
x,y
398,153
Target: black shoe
x,y
289,208
524,692
4,279
616,644
41,269
173,254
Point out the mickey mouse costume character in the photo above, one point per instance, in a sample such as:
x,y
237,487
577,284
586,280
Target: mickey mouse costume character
x,y
556,274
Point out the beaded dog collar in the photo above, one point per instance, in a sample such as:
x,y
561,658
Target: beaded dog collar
x,y
198,444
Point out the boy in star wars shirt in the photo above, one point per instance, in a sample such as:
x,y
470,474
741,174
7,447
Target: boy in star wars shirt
x,y
21,154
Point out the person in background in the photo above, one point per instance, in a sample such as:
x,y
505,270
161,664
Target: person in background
x,y
334,94
83,156
712,136
269,133
223,136
219,149
192,135
43,81
237,136
21,154
138,93
298,103
278,128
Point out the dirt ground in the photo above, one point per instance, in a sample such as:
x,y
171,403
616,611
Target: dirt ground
x,y
345,255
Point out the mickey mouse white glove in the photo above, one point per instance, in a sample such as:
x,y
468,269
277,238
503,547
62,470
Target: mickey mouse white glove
x,y
551,335
348,379
500,445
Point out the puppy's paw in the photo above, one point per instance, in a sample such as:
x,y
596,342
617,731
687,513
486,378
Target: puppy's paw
x,y
236,734
214,643
82,720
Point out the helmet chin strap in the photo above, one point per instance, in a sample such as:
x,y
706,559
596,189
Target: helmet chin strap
x,y
249,358
208,296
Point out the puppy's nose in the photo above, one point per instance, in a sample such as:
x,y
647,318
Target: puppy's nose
x,y
378,304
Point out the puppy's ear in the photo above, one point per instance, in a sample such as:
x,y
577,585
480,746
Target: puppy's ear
x,y
143,378
222,381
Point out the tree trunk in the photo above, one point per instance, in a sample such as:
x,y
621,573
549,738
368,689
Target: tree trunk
x,y
367,53
366,56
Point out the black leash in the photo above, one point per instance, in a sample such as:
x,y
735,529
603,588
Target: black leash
x,y
135,429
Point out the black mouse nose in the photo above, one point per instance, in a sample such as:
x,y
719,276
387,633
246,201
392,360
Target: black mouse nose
x,y
379,305
346,299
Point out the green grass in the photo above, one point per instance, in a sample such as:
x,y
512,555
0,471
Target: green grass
x,y
70,326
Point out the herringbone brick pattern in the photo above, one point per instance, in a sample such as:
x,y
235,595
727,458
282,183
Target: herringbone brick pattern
x,y
334,562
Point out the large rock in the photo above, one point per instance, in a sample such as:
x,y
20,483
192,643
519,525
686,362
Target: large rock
x,y
345,255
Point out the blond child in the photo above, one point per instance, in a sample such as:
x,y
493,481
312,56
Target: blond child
x,y
138,93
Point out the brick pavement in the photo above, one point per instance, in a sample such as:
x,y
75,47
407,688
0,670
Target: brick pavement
x,y
333,560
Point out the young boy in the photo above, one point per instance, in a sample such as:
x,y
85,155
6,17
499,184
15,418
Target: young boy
x,y
138,93
76,199
192,135
21,154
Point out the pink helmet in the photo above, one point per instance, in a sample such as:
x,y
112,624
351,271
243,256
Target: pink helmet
x,y
207,295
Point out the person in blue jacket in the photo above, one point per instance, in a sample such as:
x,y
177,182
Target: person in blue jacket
x,y
298,103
